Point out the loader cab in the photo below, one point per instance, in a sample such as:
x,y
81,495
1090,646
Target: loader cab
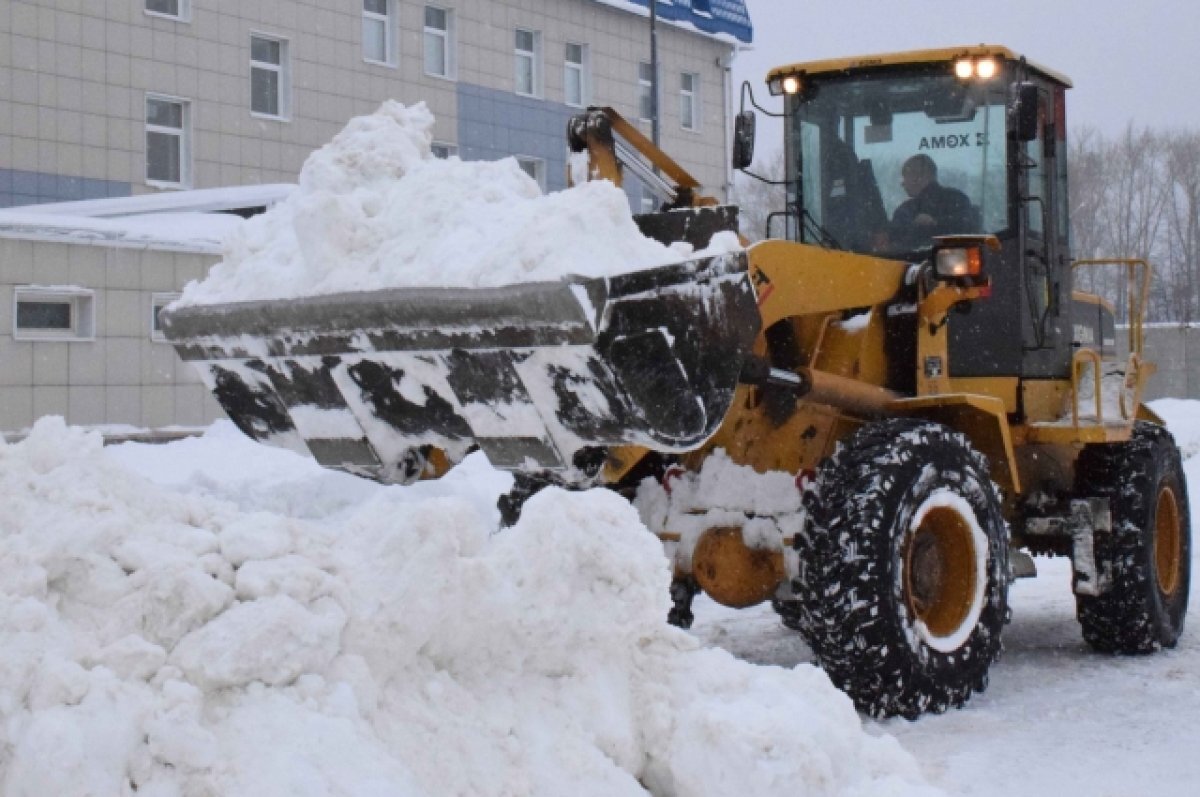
x,y
992,125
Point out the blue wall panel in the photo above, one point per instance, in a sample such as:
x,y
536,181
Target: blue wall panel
x,y
495,124
20,187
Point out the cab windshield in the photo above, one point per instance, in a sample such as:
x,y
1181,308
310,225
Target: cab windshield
x,y
885,162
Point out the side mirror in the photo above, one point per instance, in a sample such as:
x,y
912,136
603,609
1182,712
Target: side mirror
x,y
1025,122
743,139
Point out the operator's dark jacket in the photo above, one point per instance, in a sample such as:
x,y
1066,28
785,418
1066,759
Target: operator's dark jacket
x,y
949,208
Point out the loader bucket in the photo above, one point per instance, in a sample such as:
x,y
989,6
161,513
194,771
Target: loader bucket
x,y
539,375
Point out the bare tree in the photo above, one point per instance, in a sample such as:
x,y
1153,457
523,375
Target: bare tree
x,y
1183,225
1120,193
757,199
1087,161
1135,217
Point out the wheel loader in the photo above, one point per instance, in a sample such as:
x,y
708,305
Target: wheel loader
x,y
926,408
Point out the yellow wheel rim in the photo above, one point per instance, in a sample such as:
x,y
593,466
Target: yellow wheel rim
x,y
939,571
1168,542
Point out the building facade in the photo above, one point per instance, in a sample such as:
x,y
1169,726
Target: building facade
x,y
124,97
79,338
144,99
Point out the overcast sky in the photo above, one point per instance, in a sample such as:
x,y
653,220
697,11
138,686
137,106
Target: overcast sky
x,y
1129,59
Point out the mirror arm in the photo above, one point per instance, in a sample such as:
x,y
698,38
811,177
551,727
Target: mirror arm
x,y
747,89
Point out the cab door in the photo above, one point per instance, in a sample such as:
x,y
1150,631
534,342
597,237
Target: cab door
x,y
1044,240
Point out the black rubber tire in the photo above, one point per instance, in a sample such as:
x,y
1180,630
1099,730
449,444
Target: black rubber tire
x,y
852,583
790,613
1134,614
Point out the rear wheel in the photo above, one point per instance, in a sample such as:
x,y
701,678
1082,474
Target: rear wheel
x,y
904,569
1146,559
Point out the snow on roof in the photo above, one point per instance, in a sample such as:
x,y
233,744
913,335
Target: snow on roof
x,y
717,18
203,233
204,200
181,221
1165,325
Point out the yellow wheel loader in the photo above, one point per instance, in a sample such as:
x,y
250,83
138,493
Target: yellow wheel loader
x,y
922,392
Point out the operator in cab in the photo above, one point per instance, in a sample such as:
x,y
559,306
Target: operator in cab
x,y
931,209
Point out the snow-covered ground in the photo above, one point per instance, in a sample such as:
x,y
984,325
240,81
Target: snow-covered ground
x,y
212,616
215,617
1057,719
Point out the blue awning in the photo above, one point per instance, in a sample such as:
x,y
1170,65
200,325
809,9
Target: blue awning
x,y
708,16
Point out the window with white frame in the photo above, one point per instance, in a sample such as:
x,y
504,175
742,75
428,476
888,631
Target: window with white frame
x,y
168,141
528,55
645,87
158,301
439,42
175,9
535,168
443,151
269,79
377,31
689,101
576,75
67,313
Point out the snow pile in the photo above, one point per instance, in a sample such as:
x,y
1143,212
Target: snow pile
x,y
374,209
767,506
723,483
1182,417
170,642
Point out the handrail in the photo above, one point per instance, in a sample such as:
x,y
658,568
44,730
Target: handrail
x,y
1094,357
1133,366
1138,273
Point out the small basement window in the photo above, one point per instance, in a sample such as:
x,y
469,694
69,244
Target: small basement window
x,y
173,9
157,303
535,168
54,313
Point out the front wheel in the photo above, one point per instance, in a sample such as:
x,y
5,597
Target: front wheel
x,y
904,569
1145,559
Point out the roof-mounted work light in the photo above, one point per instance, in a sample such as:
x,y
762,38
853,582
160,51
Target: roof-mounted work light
x,y
783,85
966,68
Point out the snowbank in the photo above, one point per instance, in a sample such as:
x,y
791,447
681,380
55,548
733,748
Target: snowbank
x,y
1182,417
374,209
169,641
